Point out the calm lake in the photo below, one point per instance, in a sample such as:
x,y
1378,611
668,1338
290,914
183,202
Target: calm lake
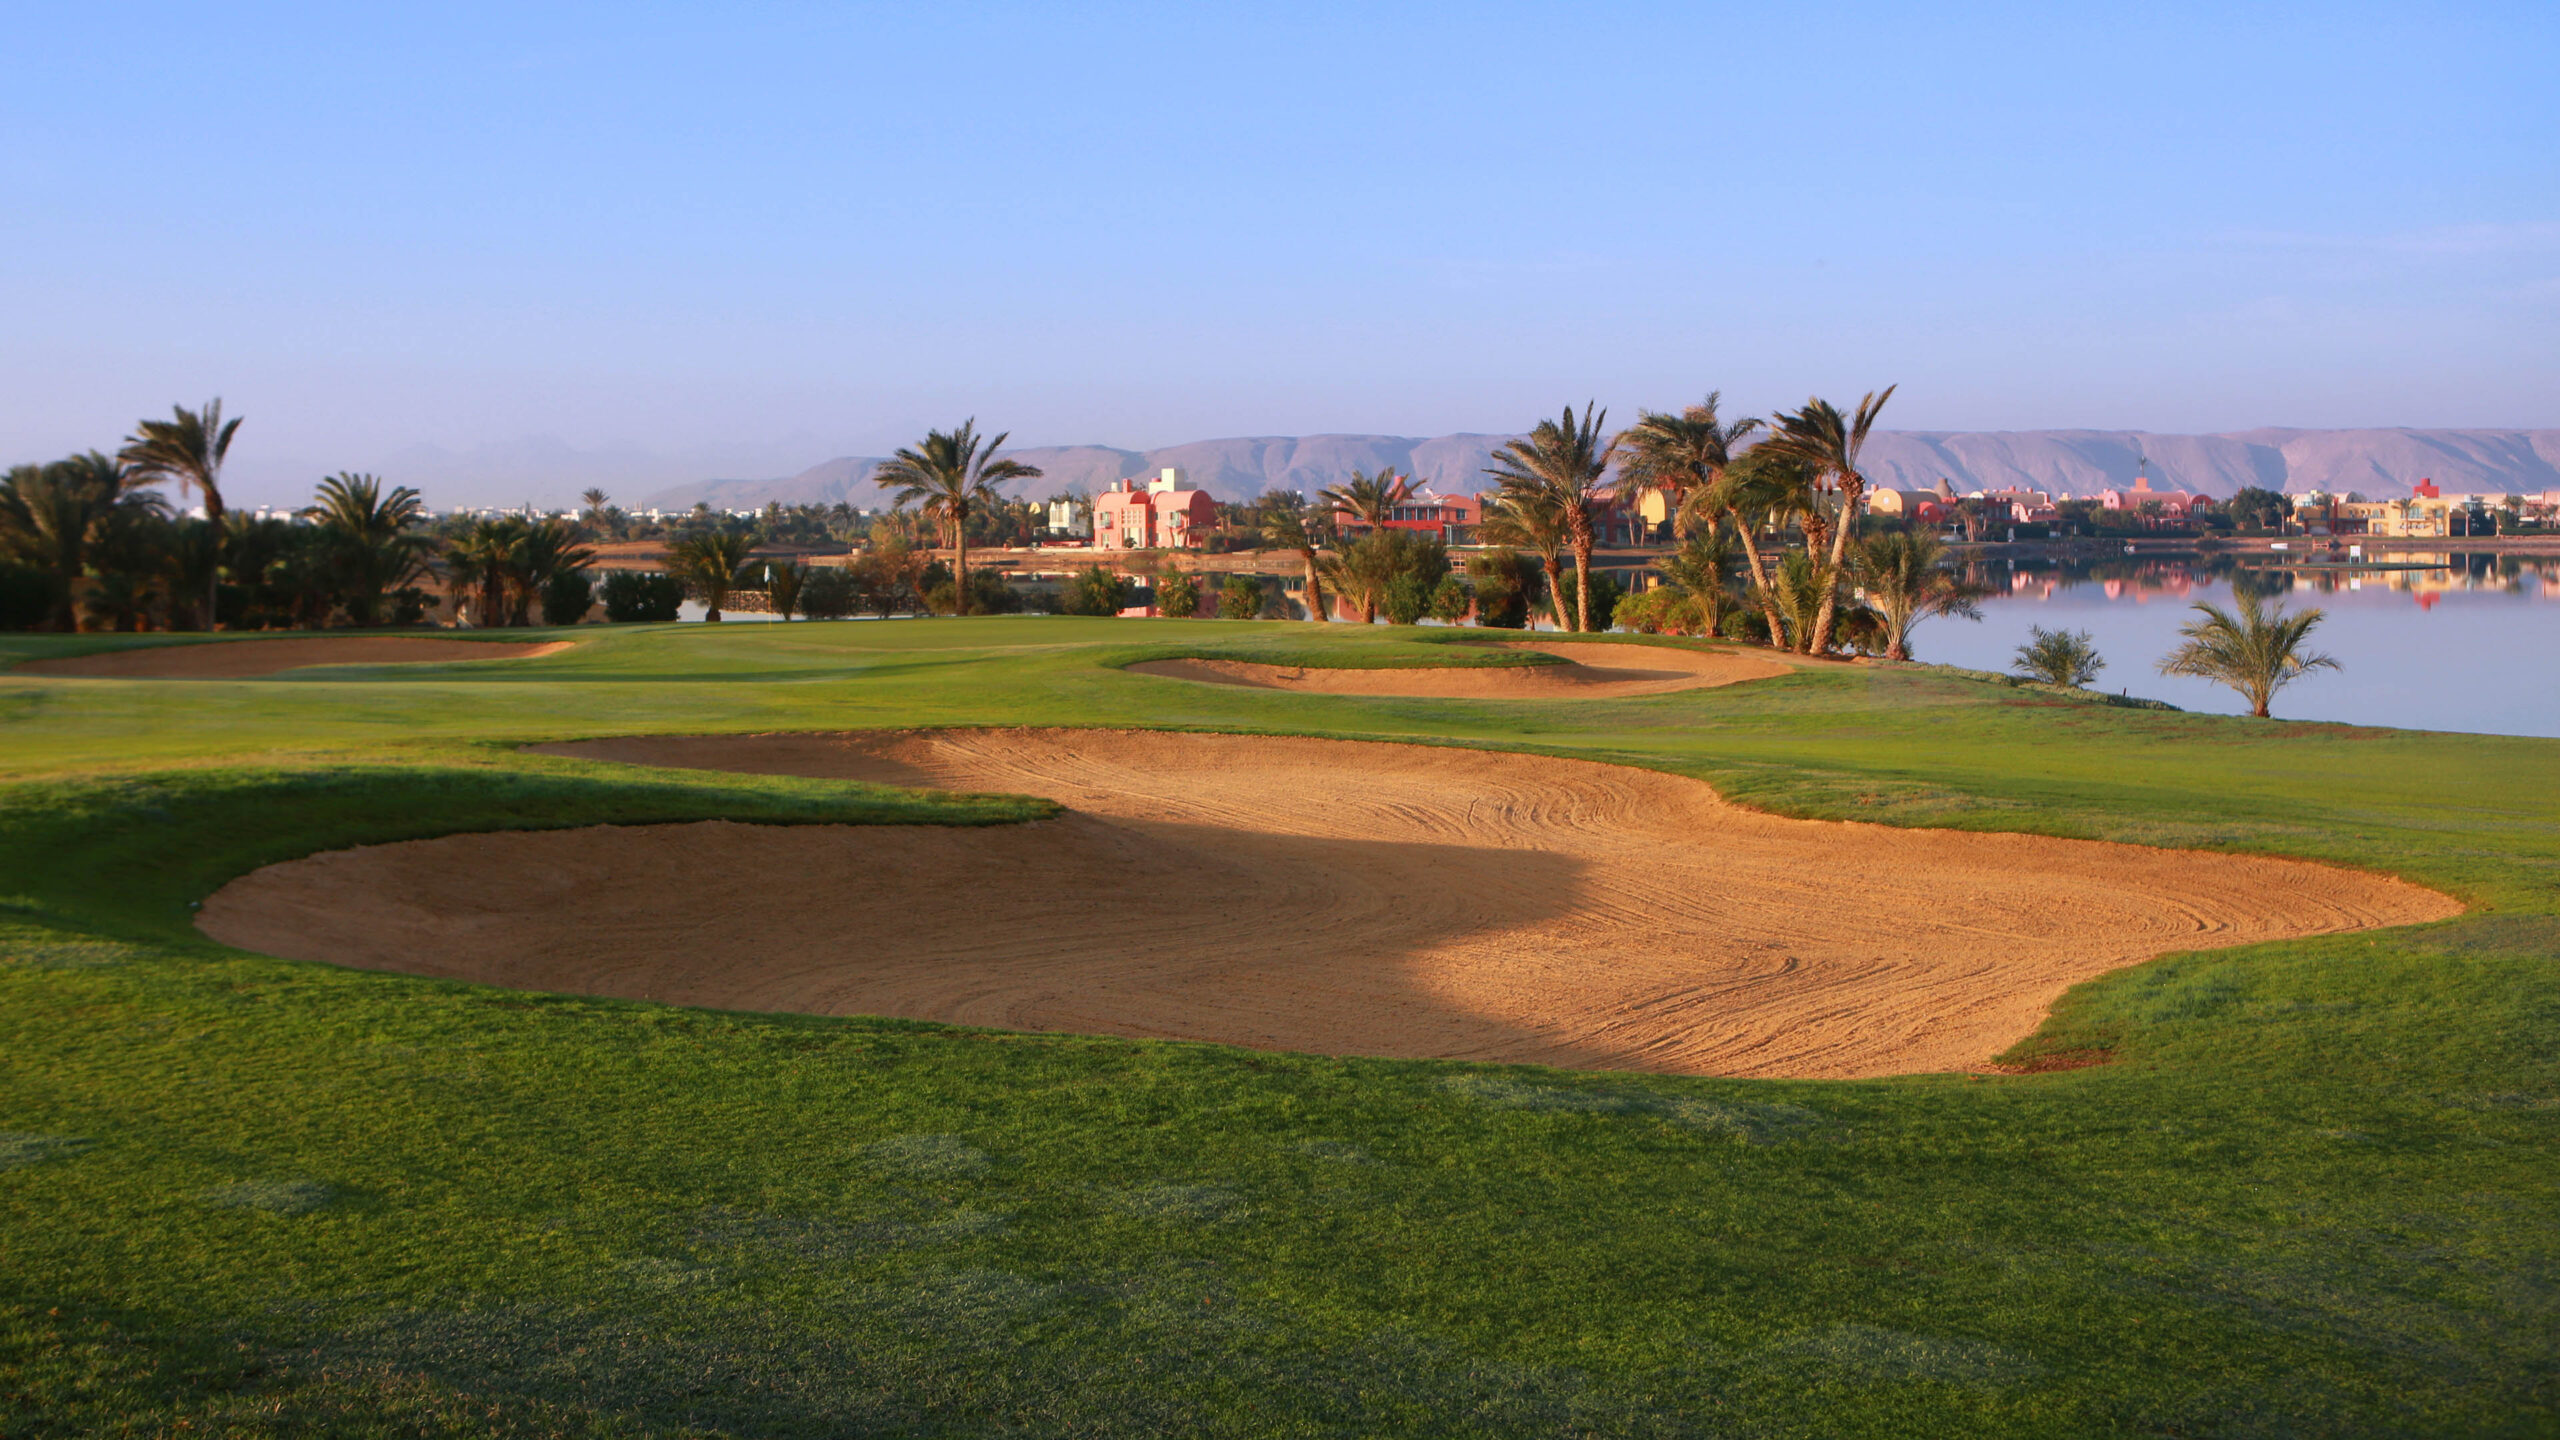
x,y
2472,643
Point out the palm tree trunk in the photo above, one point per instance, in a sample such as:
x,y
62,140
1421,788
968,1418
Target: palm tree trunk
x,y
1555,591
1850,488
960,567
1582,583
1760,582
1315,588
213,572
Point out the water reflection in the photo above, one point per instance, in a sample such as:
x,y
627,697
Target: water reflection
x,y
2448,640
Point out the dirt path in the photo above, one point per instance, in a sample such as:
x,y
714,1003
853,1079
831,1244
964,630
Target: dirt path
x,y
248,659
1591,672
1303,894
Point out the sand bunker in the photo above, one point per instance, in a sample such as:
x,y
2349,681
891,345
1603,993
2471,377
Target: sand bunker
x,y
1302,894
247,659
1591,672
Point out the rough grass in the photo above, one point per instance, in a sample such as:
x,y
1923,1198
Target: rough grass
x,y
2313,1193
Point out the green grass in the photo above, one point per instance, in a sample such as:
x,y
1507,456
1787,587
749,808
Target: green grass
x,y
2314,1193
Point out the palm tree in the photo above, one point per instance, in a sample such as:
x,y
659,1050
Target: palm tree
x,y
949,477
480,559
188,449
374,536
709,563
1369,499
1821,437
2058,657
1676,456
542,549
596,502
1559,466
1524,522
55,518
1905,583
1287,523
2256,652
1758,488
1697,571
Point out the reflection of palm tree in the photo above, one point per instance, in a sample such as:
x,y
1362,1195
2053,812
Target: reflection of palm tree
x,y
1906,585
1369,499
188,448
950,477
1557,467
709,563
2255,651
1828,441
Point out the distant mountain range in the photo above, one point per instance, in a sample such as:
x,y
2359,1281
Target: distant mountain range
x,y
2379,463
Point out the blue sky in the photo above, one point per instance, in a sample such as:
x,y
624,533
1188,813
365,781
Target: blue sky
x,y
511,249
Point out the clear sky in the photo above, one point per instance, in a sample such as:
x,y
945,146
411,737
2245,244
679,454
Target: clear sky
x,y
503,250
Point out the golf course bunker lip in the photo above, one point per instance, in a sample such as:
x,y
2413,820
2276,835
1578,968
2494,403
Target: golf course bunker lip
x,y
249,659
1333,896
1590,672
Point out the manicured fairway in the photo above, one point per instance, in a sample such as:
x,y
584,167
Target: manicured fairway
x,y
2316,1191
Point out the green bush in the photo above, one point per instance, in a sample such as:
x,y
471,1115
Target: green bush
x,y
1095,592
635,596
1240,598
1451,599
566,597
828,592
1503,588
1178,595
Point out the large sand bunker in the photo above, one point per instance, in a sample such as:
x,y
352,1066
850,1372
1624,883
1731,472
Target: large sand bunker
x,y
248,659
1590,672
1303,894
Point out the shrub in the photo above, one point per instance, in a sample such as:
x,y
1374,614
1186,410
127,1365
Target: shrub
x,y
1502,587
1408,598
827,592
1095,592
26,597
1451,599
1240,598
566,597
1178,595
2059,657
633,596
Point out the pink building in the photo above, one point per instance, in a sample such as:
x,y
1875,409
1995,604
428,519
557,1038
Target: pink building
x,y
2175,505
1166,515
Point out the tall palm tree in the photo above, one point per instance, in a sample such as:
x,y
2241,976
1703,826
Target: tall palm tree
x,y
1676,456
1526,522
709,563
2256,651
1369,499
187,449
949,477
56,518
596,501
1287,523
1559,466
1905,583
1828,441
373,538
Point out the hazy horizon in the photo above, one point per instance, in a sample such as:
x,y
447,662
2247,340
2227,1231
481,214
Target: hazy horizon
x,y
489,250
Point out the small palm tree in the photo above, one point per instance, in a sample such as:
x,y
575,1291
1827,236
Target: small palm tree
x,y
1361,572
1525,521
709,564
543,550
2059,657
478,563
1558,467
187,449
1822,438
950,477
1369,499
597,502
1905,583
790,578
2255,651
1697,571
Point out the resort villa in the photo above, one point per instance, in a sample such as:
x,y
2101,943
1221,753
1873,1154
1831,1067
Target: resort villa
x,y
2165,507
1166,515
2427,513
1451,519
